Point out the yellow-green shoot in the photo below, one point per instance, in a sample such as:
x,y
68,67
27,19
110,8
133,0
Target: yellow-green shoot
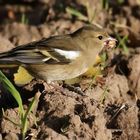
x,y
24,19
23,114
122,43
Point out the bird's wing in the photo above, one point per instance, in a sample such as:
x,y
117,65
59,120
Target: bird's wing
x,y
54,50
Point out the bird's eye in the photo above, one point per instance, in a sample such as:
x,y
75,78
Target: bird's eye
x,y
100,37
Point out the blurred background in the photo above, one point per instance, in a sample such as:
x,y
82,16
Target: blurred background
x,y
75,117
23,21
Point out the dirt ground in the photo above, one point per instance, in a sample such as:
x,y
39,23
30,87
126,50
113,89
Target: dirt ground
x,y
108,110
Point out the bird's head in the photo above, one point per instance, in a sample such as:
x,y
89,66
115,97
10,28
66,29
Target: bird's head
x,y
94,36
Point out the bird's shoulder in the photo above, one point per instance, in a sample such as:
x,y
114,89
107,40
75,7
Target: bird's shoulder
x,y
63,42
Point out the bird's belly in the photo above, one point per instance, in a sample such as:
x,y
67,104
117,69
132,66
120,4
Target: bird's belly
x,y
57,72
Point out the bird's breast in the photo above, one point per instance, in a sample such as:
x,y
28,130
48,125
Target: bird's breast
x,y
55,72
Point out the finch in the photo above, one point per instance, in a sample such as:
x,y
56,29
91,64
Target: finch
x,y
60,57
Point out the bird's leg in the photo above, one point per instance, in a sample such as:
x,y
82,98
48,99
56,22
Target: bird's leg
x,y
74,89
53,86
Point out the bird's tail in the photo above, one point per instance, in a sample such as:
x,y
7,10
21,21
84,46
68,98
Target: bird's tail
x,y
7,60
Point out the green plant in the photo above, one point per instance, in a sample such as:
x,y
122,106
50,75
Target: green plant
x,y
122,43
104,95
91,13
22,113
120,1
103,63
76,13
24,19
105,4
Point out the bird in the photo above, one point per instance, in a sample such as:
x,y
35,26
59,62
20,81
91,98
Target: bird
x,y
60,57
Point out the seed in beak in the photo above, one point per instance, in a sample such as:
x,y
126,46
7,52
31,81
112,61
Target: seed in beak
x,y
110,43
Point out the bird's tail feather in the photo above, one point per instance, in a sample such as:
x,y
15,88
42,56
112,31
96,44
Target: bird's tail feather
x,y
6,60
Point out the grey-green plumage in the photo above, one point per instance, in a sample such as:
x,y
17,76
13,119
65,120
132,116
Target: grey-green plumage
x,y
59,57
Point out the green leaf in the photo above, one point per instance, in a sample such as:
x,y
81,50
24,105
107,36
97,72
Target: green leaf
x,y
9,86
25,119
24,19
104,95
76,13
122,43
105,4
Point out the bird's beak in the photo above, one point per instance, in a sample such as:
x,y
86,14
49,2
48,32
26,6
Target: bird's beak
x,y
110,43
